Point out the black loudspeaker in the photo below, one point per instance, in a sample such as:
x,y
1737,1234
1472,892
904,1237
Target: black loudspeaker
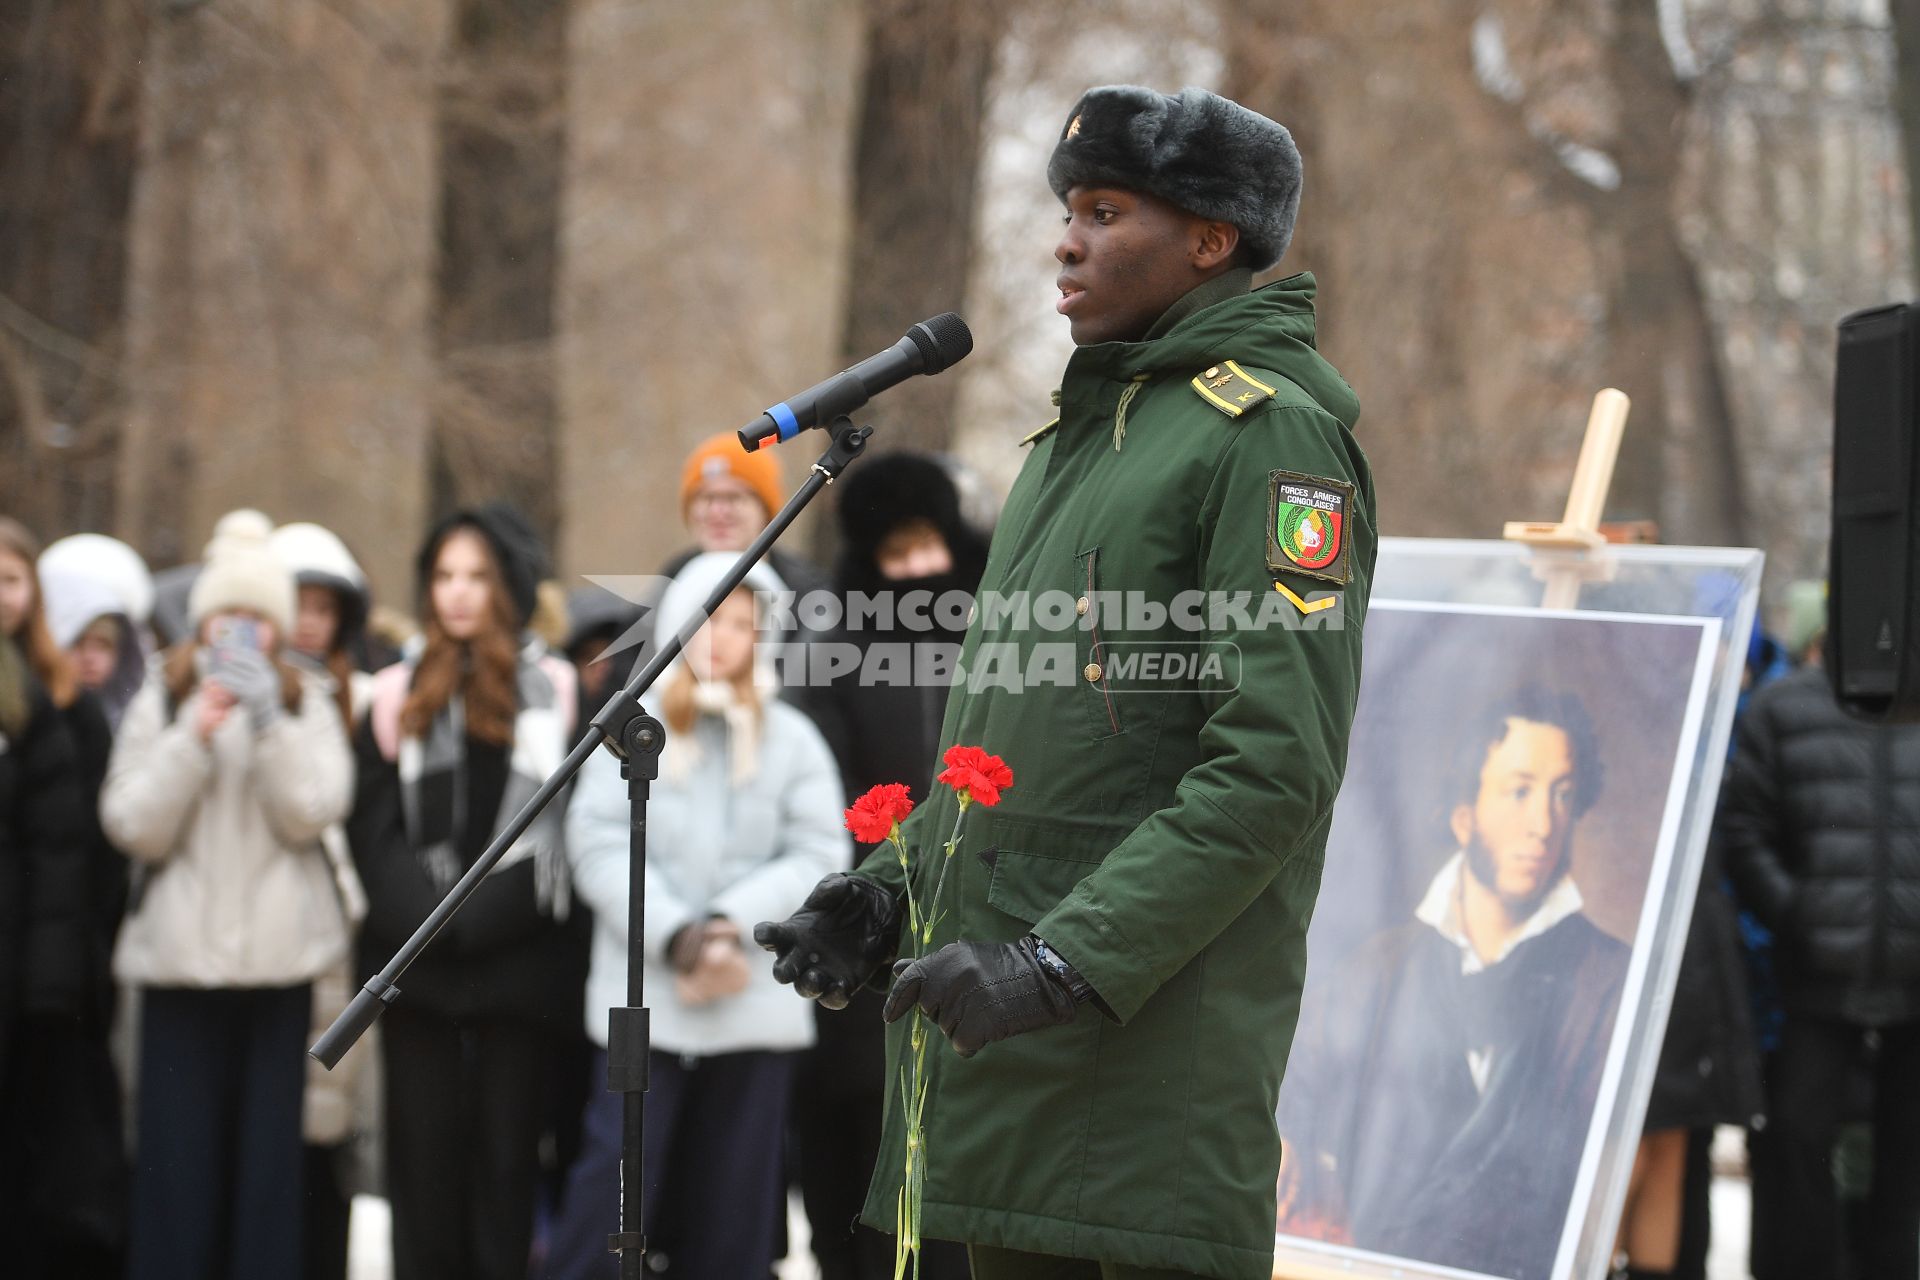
x,y
1871,600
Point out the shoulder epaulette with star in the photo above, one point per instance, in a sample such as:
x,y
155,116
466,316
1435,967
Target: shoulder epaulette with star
x,y
1230,389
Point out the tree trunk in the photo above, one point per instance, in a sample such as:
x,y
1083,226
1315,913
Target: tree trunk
x,y
68,93
1461,285
916,166
502,144
1524,200
1679,463
281,274
702,248
1793,217
1906,100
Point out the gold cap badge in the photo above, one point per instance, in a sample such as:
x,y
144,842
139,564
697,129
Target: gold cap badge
x,y
1073,127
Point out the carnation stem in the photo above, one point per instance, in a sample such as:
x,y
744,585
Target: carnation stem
x,y
906,874
912,1190
940,881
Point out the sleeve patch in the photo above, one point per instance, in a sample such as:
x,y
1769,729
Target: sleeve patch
x,y
1230,389
1307,526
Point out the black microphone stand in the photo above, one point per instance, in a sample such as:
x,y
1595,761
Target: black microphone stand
x,y
637,738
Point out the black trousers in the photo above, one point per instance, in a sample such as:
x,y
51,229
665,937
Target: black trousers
x,y
63,1163
329,1209
715,1202
1798,1230
217,1177
465,1102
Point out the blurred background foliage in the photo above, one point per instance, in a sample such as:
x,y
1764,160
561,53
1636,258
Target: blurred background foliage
x,y
358,261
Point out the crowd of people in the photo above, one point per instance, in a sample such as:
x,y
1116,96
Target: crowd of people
x,y
1797,1011
230,791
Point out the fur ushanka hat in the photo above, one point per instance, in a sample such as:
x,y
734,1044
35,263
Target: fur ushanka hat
x,y
1197,150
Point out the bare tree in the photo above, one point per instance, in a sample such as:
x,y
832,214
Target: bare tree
x,y
1048,56
68,90
1906,36
1463,281
1624,164
916,167
1790,209
703,246
278,347
502,125
1512,202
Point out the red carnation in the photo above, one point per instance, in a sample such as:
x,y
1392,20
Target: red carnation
x,y
972,772
873,815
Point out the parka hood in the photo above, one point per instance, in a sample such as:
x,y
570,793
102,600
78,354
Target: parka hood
x,y
521,556
318,558
75,602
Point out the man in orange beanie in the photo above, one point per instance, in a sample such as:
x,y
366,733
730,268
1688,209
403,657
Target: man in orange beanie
x,y
727,495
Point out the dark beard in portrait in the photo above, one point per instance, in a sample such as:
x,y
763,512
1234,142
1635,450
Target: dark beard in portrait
x,y
1480,866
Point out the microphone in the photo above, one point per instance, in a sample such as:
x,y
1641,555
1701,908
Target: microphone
x,y
929,347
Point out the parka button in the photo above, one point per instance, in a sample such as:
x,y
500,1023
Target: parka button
x,y
1092,672
1081,606
1214,372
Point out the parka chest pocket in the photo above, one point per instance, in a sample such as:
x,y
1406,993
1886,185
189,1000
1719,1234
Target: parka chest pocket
x,y
1027,886
1093,676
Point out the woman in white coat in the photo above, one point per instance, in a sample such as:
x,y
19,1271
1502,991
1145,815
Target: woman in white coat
x,y
228,766
745,817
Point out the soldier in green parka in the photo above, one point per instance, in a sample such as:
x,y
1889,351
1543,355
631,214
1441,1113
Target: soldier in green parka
x,y
1119,963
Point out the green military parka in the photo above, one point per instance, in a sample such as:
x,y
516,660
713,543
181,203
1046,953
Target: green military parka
x,y
1165,831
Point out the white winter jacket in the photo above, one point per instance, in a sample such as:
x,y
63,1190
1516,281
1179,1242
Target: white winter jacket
x,y
239,891
750,853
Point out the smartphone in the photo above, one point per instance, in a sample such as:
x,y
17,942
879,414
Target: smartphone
x,y
233,633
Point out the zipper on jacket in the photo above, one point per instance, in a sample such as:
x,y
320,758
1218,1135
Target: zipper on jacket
x,y
1093,618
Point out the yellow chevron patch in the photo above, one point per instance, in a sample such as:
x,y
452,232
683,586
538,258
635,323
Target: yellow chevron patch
x,y
1306,606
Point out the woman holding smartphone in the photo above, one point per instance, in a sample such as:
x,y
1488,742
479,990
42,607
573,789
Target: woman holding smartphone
x,y
228,767
455,742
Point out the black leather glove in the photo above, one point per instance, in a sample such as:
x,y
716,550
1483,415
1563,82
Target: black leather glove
x,y
842,935
980,992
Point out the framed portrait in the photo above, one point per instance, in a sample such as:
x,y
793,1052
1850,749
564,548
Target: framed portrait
x,y
1507,884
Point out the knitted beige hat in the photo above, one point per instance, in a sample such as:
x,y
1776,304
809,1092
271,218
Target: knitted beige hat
x,y
241,571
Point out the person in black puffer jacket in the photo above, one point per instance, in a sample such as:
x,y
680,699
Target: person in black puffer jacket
x,y
43,910
902,532
60,1122
1821,818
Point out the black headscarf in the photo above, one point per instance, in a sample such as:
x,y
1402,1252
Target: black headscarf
x,y
521,555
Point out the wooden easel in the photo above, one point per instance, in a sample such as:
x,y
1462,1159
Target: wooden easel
x,y
1564,561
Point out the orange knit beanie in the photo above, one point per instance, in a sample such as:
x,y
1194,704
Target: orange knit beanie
x,y
722,455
